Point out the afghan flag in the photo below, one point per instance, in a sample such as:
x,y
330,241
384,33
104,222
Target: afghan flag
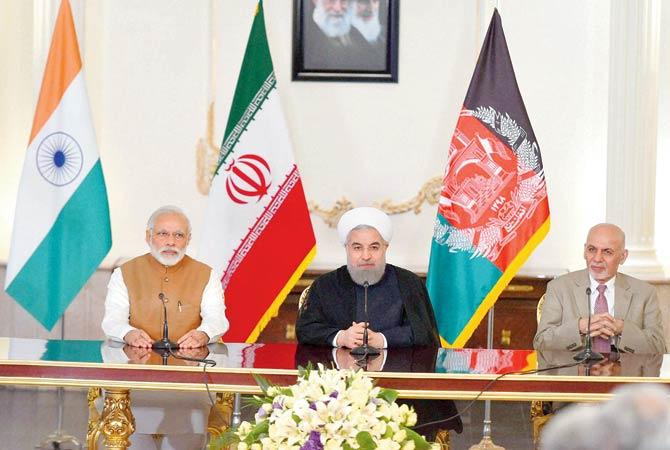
x,y
493,209
61,225
257,230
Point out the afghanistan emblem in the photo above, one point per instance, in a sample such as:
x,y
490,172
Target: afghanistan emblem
x,y
490,186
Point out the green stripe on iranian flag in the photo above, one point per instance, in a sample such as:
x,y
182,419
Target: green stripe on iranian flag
x,y
61,225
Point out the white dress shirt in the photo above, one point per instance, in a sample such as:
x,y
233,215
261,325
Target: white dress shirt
x,y
116,323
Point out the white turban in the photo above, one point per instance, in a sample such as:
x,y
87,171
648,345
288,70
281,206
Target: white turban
x,y
364,216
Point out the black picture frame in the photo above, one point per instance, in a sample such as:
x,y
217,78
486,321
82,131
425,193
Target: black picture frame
x,y
350,56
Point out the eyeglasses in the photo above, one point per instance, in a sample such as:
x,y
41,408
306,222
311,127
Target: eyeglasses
x,y
177,235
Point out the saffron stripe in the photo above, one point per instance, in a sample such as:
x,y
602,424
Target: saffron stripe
x,y
63,65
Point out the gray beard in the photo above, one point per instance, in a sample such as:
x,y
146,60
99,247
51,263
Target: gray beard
x,y
360,276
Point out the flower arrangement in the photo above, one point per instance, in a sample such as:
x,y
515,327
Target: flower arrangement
x,y
328,409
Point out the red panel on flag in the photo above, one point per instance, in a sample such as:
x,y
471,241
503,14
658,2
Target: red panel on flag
x,y
268,266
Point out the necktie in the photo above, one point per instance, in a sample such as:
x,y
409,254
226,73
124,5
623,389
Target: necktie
x,y
600,344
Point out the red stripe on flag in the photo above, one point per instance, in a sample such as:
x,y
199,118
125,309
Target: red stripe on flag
x,y
268,266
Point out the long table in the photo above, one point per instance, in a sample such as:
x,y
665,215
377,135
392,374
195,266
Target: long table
x,y
426,373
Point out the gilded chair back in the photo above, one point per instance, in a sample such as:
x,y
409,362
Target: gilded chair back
x,y
303,298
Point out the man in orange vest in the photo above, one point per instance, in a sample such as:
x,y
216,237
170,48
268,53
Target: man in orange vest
x,y
190,290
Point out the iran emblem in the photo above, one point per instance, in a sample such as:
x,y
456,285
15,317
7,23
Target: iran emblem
x,y
249,178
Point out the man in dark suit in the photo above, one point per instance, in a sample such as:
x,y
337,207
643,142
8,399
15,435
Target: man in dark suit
x,y
625,310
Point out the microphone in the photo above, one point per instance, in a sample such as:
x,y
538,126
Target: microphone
x,y
588,354
365,349
165,345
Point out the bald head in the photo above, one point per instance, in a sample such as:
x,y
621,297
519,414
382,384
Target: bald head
x,y
604,251
609,229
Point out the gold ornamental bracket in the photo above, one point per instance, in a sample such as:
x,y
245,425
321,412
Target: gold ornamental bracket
x,y
206,156
207,159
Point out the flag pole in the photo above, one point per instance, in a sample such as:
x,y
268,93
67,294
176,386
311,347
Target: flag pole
x,y
487,442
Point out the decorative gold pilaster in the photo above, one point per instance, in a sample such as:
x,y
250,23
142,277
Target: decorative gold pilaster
x,y
117,421
538,418
443,438
93,432
220,414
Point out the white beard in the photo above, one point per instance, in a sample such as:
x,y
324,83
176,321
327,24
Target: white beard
x,y
372,276
332,26
370,29
167,260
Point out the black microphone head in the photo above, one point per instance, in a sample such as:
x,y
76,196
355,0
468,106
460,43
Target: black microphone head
x,y
588,290
161,297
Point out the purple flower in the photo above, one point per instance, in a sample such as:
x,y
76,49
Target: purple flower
x,y
261,412
314,442
312,405
276,405
333,394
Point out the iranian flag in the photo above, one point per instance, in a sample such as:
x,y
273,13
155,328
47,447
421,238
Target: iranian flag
x,y
257,230
61,227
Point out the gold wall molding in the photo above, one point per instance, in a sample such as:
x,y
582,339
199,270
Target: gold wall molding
x,y
207,159
428,193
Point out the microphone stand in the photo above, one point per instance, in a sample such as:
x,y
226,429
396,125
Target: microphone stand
x,y
588,354
365,350
165,346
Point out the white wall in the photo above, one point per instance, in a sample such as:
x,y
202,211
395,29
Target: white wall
x,y
150,78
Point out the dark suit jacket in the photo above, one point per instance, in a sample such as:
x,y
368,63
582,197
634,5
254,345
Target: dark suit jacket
x,y
635,303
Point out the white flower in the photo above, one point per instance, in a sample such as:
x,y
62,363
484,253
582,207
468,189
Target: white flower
x,y
399,436
336,404
388,444
409,445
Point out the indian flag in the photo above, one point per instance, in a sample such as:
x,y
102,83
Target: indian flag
x,y
257,233
61,226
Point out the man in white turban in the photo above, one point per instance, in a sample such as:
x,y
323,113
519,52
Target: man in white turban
x,y
399,310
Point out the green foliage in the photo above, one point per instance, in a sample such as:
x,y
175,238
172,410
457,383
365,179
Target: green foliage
x,y
419,442
365,441
390,395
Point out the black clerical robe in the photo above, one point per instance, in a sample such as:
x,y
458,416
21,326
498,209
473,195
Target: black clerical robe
x,y
331,307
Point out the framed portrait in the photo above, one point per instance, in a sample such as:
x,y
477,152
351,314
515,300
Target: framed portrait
x,y
345,40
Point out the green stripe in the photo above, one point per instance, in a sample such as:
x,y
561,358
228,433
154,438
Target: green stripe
x,y
69,254
256,68
73,351
457,285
